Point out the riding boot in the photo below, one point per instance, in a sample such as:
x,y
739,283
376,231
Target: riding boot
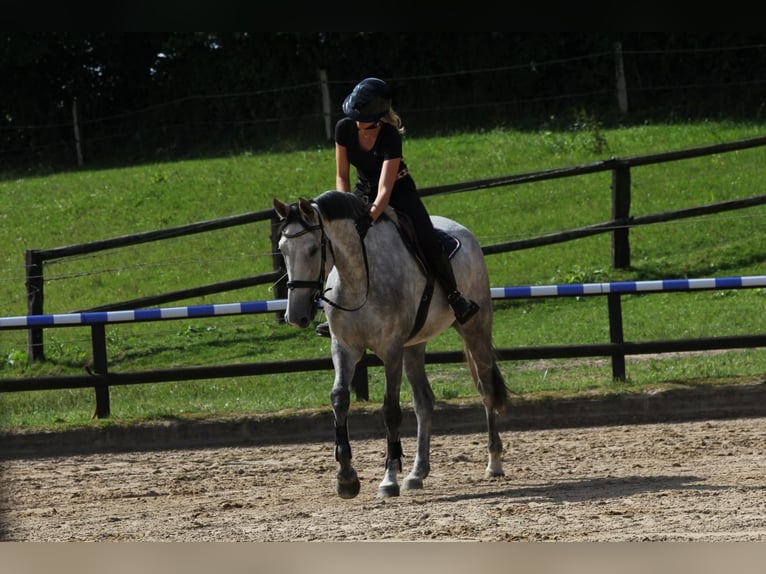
x,y
463,308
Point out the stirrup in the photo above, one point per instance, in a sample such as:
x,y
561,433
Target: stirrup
x,y
464,308
323,329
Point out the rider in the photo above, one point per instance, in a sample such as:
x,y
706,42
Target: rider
x,y
369,138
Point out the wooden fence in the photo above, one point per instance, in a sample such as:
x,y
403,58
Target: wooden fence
x,y
619,228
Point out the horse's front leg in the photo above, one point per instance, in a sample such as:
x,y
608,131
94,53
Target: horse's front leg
x,y
392,416
344,360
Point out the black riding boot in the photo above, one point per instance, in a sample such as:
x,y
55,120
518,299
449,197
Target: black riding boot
x,y
464,308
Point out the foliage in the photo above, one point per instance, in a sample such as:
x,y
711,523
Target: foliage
x,y
171,95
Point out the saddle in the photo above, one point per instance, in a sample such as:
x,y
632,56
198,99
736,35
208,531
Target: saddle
x,y
450,243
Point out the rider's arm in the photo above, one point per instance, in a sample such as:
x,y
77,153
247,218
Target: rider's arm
x,y
385,186
342,168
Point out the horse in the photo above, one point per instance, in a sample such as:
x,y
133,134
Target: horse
x,y
372,287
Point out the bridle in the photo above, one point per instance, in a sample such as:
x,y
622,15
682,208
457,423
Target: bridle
x,y
319,282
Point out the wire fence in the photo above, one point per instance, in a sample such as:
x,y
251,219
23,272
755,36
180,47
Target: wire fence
x,y
622,83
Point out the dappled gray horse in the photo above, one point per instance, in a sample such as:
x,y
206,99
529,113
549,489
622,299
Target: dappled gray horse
x,y
374,289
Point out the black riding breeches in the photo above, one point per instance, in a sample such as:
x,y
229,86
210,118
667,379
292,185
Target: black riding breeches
x,y
405,199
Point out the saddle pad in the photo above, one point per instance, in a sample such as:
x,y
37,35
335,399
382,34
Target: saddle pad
x,y
451,244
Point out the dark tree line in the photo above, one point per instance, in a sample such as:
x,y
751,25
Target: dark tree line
x,y
144,95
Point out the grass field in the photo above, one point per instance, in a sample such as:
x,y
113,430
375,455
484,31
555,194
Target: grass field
x,y
41,212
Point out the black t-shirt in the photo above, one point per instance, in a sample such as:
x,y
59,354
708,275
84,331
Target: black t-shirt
x,y
369,164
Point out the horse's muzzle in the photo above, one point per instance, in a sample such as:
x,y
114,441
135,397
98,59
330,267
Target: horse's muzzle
x,y
300,322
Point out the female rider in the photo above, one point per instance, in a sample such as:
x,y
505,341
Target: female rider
x,y
369,137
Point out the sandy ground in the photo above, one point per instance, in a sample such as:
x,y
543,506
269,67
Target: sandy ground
x,y
689,481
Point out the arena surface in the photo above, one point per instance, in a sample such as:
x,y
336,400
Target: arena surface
x,y
697,480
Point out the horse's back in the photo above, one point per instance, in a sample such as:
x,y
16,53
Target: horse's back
x,y
448,224
455,229
470,255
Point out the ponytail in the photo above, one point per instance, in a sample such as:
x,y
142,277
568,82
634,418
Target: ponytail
x,y
394,119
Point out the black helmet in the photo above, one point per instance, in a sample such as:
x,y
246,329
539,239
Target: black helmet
x,y
369,101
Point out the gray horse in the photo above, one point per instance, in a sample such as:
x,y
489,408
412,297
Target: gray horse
x,y
374,289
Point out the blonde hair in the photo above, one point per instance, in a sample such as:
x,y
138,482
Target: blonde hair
x,y
394,119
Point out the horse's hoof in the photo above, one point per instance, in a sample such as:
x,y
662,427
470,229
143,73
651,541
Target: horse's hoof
x,y
412,483
492,473
388,490
347,487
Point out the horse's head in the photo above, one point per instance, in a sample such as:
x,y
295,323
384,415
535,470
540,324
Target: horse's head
x,y
303,245
313,234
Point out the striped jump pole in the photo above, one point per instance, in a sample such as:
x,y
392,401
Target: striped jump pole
x,y
252,307
140,315
613,291
657,286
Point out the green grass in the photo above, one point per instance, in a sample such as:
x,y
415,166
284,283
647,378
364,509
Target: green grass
x,y
87,205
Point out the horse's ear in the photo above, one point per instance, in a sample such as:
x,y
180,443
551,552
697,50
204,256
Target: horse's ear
x,y
281,208
306,209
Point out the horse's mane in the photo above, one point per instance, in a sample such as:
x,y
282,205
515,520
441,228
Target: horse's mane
x,y
339,205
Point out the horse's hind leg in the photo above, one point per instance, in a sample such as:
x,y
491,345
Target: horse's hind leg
x,y
423,402
494,446
481,359
492,387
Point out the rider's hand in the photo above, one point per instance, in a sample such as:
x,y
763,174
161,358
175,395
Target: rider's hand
x,y
363,224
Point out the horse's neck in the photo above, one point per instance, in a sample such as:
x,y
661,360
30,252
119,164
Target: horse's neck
x,y
348,256
353,262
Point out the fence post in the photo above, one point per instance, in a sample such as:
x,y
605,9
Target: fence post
x,y
326,108
76,125
616,335
100,367
622,91
34,284
621,214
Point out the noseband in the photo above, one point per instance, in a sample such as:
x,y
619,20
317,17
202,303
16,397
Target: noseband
x,y
319,282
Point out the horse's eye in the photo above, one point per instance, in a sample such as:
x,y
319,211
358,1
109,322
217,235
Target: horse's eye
x,y
313,251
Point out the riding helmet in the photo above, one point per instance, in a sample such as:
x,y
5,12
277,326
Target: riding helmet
x,y
369,101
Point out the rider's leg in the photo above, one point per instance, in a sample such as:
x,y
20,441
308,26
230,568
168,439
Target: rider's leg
x,y
405,198
463,308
